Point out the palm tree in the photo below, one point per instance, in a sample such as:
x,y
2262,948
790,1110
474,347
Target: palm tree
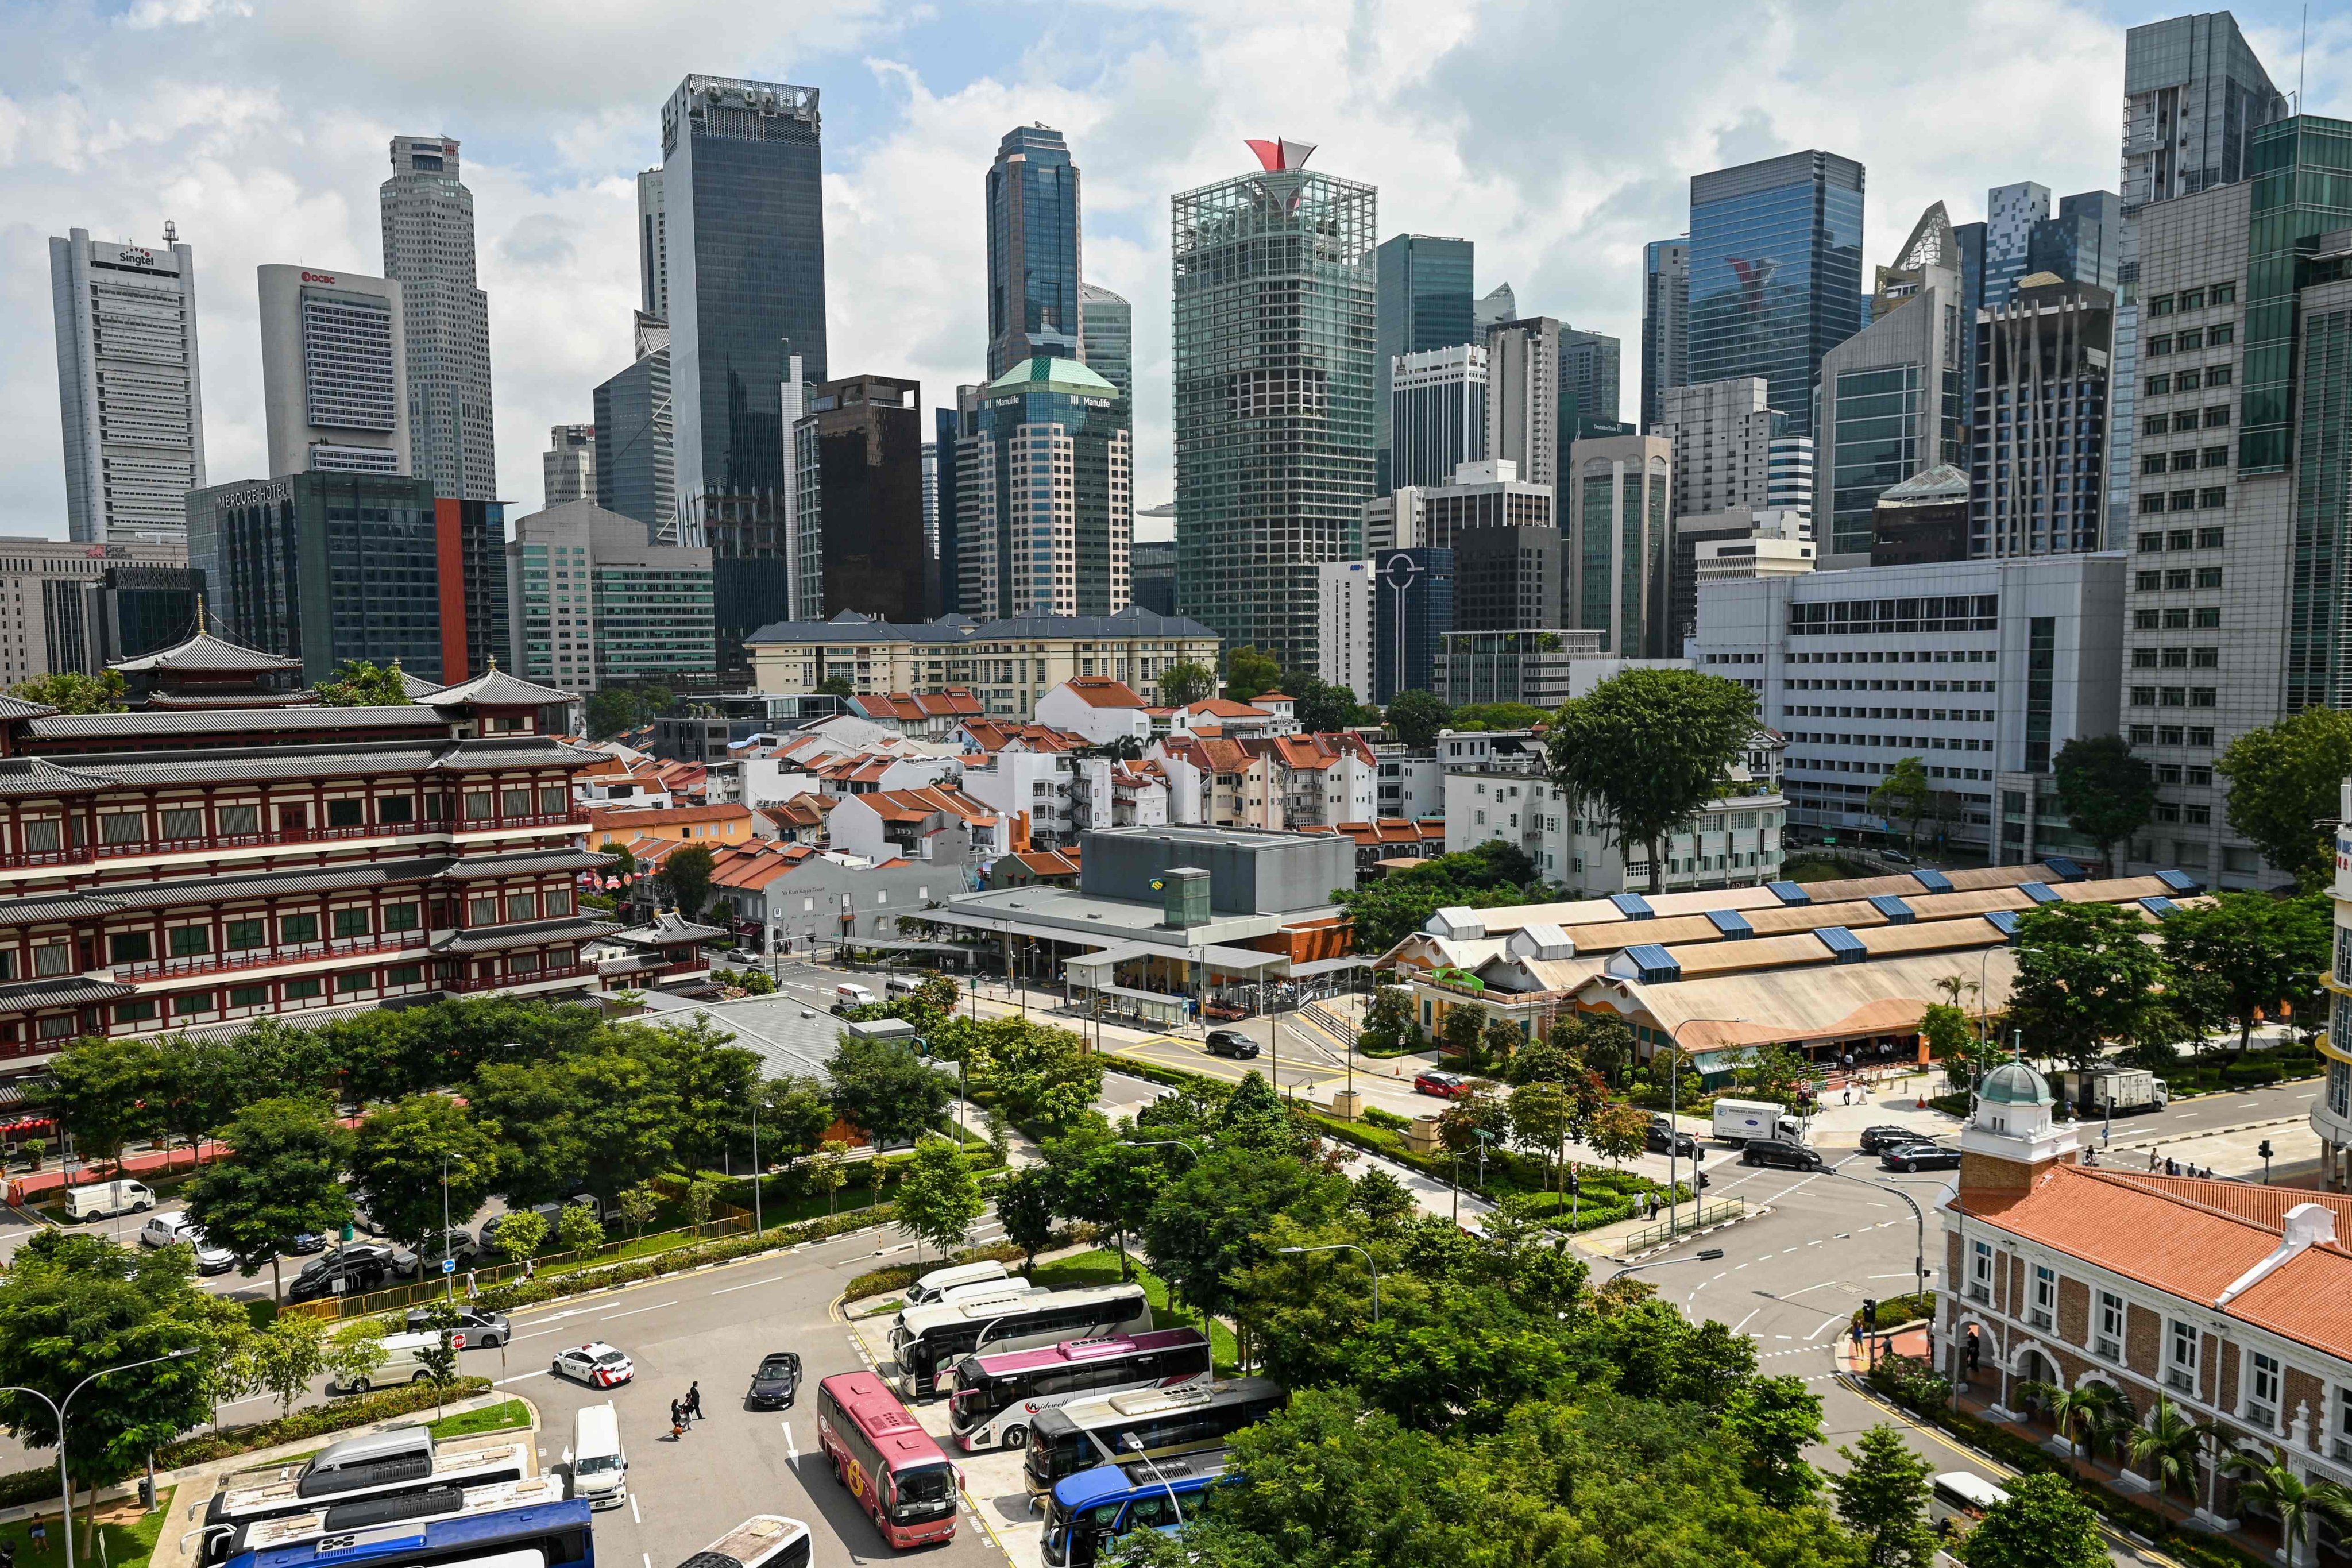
x,y
2297,1504
2167,1448
2084,1414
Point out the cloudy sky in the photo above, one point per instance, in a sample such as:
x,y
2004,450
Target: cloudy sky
x,y
1559,135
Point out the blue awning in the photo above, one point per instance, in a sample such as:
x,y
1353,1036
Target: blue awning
x,y
2178,881
2068,871
2040,892
1652,964
1933,881
2004,921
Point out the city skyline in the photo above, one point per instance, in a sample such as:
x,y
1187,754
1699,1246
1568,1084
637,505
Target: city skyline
x,y
554,178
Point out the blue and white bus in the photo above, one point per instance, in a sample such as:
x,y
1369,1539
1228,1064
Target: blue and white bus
x,y
1094,1507
251,1497
541,1535
342,1516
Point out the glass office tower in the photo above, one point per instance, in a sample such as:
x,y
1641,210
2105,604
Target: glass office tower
x,y
743,226
1665,316
1032,249
1273,354
1424,303
1775,273
1106,336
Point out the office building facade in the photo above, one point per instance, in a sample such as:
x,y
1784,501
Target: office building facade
x,y
653,247
1045,495
635,464
1487,494
569,463
323,567
1507,578
1009,663
1344,598
1107,339
469,549
1152,578
428,249
2041,419
1424,304
1776,274
743,231
1523,398
1437,415
129,394
1032,249
50,602
594,603
1665,325
859,516
334,372
1740,542
1588,364
1615,572
1722,433
1413,609
1275,376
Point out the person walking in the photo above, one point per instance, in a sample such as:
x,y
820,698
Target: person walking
x,y
473,1291
677,1418
2151,1156
694,1403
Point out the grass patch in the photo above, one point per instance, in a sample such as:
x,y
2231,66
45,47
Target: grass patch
x,y
1101,1268
506,1417
124,1545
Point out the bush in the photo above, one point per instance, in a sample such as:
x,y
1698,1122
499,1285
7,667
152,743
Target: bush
x,y
525,1293
315,1422
1388,1119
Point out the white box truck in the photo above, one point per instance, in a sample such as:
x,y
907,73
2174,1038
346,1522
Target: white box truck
x,y
2127,1091
1738,1120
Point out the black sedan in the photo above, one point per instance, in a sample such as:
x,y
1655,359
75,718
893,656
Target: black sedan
x,y
1232,1043
1662,1140
1874,1139
776,1382
1919,1157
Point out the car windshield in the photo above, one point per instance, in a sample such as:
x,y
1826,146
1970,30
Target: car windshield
x,y
611,1358
778,1366
930,1483
601,1464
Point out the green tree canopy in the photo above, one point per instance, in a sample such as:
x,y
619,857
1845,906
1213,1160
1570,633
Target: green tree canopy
x,y
401,1152
1185,682
2284,779
938,1198
2086,974
615,710
2261,955
1250,670
1882,1496
70,692
1417,716
1651,748
1321,708
686,873
2042,1524
107,1092
1499,716
1024,1206
885,1090
1904,795
361,684
285,1178
713,1080
2109,792
793,1115
1386,910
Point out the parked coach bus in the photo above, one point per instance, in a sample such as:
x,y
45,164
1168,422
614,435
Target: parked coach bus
x,y
545,1535
1093,1509
349,1471
1195,1418
928,1341
412,1510
763,1540
890,1465
997,1396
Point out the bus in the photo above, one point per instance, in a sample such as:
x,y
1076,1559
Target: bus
x,y
541,1535
278,1492
927,1340
763,1540
890,1465
1094,1507
995,1396
413,1510
1163,1422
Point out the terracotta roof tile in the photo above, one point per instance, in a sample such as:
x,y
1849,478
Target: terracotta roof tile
x,y
1101,691
619,818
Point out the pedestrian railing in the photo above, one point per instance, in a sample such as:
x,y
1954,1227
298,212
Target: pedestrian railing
x,y
1710,1211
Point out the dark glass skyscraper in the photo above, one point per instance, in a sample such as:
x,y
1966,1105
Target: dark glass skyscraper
x,y
743,207
1424,303
1032,249
859,453
1775,273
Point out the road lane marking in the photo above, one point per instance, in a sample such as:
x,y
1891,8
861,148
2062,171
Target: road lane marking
x,y
1744,1321
519,1377
790,1449
633,1509
770,1279
632,1311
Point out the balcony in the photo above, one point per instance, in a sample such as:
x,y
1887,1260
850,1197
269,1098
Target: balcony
x,y
507,982
265,958
577,817
79,856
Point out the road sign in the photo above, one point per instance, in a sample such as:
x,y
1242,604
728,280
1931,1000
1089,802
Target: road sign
x,y
449,1265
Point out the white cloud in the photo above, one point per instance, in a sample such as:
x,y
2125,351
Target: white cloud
x,y
1559,136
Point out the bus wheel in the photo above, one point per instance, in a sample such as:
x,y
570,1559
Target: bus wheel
x,y
1015,1437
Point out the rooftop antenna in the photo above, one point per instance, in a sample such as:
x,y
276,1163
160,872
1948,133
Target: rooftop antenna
x,y
172,230
2301,49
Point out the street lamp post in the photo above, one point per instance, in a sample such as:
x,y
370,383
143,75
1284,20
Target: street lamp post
x,y
448,1274
758,1226
1707,1255
1351,1246
1134,1444
1918,1215
57,1409
1674,1131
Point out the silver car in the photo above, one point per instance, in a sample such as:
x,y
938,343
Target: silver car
x,y
178,1230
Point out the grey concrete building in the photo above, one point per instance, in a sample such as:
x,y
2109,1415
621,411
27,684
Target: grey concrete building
x,y
653,247
593,602
50,608
334,372
1107,339
1437,415
569,463
428,249
1523,388
637,469
1665,324
128,391
1722,433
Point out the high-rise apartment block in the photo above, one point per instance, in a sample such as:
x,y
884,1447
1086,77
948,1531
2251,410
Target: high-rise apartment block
x,y
1894,397
1775,273
1274,377
1032,249
428,251
334,372
1665,325
1722,434
1107,339
2041,420
1437,415
570,463
1615,574
1044,474
743,231
127,385
1424,304
1523,398
1344,600
858,456
595,603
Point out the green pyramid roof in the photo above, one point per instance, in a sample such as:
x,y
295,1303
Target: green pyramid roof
x,y
1044,373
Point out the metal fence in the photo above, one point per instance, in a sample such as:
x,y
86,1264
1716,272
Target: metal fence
x,y
1710,1211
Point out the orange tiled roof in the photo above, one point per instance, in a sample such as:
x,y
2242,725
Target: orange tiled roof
x,y
1048,862
914,804
1225,708
909,707
1393,831
1102,692
801,811
993,735
615,818
1274,696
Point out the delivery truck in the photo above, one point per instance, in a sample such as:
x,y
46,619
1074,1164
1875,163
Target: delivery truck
x,y
2121,1091
1738,1120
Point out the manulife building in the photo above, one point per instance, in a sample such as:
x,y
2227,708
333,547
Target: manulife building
x,y
1275,356
1045,512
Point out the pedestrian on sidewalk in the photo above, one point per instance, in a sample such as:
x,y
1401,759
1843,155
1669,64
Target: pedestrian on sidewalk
x,y
2151,1155
677,1418
473,1290
694,1402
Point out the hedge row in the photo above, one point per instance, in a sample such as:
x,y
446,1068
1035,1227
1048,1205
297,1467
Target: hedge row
x,y
526,1293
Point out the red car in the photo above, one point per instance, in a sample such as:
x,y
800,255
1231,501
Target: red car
x,y
1444,1085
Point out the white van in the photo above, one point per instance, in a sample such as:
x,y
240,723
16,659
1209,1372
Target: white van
x,y
1963,1495
101,1200
400,1365
850,994
940,1281
600,1469
900,986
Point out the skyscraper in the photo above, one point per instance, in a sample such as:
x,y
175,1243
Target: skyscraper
x,y
1437,415
428,251
1523,397
570,462
1276,300
1493,307
858,454
1424,303
1107,339
334,372
1775,273
1615,569
1665,317
1032,249
127,385
1722,434
1587,384
2194,95
653,247
2040,421
1044,471
636,466
743,230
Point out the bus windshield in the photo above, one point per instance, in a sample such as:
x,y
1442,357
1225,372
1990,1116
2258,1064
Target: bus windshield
x,y
925,1486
